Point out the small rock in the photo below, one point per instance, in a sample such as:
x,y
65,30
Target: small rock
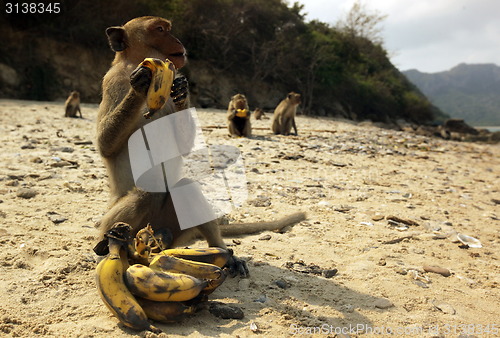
x,y
400,270
402,220
261,299
281,284
265,238
436,269
254,327
56,218
378,218
26,193
444,307
383,303
226,311
27,146
36,160
329,273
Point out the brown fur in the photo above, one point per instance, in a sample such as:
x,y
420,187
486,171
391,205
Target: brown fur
x,y
284,115
238,126
121,113
258,113
72,105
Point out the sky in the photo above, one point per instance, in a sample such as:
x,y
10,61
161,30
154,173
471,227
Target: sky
x,y
428,35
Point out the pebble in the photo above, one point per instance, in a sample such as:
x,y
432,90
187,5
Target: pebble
x,y
436,269
378,218
281,284
226,311
329,273
444,307
265,238
402,220
26,193
383,303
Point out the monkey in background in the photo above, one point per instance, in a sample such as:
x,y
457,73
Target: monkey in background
x,y
121,111
258,113
72,105
238,116
284,115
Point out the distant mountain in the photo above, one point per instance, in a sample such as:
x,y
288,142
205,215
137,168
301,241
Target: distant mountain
x,y
468,91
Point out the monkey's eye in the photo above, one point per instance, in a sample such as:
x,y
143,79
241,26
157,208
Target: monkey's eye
x,y
160,29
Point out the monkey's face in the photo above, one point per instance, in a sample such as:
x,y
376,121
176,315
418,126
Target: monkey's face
x,y
160,38
147,37
294,98
239,101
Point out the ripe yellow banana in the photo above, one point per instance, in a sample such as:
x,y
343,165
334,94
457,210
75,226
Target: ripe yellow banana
x,y
242,112
114,292
213,255
200,270
159,286
166,312
212,273
161,83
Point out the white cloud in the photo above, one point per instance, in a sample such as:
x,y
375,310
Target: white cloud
x,y
430,35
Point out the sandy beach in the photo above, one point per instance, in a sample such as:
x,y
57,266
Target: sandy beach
x,y
381,206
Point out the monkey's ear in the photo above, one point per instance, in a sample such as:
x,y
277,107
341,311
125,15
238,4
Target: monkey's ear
x,y
116,38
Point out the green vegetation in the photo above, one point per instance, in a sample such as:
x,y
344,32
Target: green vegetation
x,y
342,70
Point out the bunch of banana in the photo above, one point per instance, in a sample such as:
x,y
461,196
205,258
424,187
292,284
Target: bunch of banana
x,y
112,288
161,83
164,287
242,112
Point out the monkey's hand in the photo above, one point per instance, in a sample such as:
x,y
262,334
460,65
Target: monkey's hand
x,y
237,266
140,79
180,92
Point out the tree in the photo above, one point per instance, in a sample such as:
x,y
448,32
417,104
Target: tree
x,y
361,23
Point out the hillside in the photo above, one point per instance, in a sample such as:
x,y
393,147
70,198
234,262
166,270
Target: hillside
x,y
468,91
266,50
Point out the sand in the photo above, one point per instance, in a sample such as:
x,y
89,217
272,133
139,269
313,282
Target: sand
x,y
381,205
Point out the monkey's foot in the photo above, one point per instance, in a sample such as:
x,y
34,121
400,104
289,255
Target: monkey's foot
x,y
237,266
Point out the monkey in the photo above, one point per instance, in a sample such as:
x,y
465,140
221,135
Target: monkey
x,y
284,115
238,116
120,114
258,113
72,105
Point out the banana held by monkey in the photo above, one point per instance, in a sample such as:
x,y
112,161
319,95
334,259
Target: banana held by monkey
x,y
161,83
159,286
114,292
166,312
242,112
213,255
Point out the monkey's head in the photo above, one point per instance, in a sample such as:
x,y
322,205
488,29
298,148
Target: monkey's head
x,y
146,37
294,98
239,101
75,95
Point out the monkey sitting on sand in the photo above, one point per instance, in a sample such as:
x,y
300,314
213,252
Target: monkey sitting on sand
x,y
72,105
284,115
121,114
238,116
258,113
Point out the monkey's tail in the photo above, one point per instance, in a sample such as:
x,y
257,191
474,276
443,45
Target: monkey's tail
x,y
251,228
